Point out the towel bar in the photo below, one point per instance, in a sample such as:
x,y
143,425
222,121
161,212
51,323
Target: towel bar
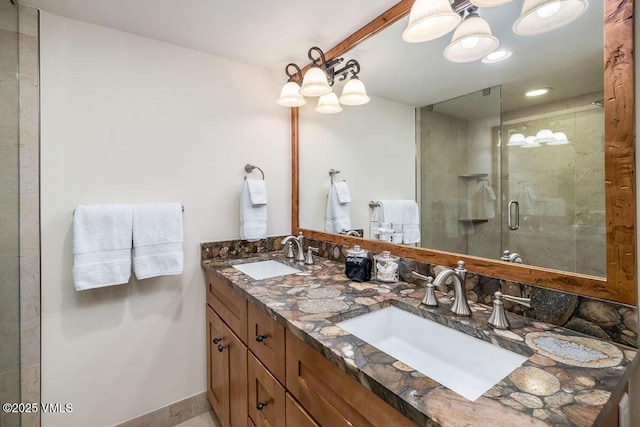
x,y
333,172
74,211
373,204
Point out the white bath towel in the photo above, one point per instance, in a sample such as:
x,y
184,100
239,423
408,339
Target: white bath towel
x,y
403,215
257,191
253,219
157,240
342,189
487,202
101,245
337,215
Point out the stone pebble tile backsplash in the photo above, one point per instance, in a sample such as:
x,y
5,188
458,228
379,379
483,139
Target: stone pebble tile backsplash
x,y
600,319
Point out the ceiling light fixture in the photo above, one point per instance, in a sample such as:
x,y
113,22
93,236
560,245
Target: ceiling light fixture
x,y
541,16
538,92
432,19
319,79
497,56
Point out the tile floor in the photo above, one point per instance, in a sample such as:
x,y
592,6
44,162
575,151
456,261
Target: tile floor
x,y
206,419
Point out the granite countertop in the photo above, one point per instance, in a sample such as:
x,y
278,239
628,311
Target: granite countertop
x,y
569,379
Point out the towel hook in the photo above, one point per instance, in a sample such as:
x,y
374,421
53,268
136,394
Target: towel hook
x,y
248,168
333,172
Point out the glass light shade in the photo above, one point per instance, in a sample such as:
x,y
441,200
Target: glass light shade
x,y
544,136
531,142
541,16
559,139
516,139
328,104
354,93
290,96
471,41
314,83
429,20
497,56
489,3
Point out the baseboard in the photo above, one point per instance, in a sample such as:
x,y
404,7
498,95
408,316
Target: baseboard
x,y
173,414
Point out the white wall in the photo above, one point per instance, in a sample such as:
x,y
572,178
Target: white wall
x,y
373,147
127,119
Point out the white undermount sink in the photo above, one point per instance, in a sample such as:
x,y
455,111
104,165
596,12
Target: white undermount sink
x,y
464,364
266,269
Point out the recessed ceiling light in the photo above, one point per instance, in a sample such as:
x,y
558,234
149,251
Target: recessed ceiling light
x,y
497,56
538,92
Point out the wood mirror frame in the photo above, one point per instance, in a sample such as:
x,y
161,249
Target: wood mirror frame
x,y
620,197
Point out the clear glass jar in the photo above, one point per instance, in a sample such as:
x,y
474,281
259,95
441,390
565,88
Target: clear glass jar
x,y
386,266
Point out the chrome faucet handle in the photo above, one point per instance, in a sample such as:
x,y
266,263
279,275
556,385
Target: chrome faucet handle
x,y
300,256
310,251
290,253
498,319
429,299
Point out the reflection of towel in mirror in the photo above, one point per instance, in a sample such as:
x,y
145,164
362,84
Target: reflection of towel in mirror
x,y
342,190
337,215
403,215
253,218
487,196
527,199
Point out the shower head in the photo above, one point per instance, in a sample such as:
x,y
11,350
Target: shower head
x,y
599,103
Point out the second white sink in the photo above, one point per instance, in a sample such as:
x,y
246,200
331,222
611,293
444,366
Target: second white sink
x,y
265,269
466,365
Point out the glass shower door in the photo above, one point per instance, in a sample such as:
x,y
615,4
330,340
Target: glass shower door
x,y
553,186
9,208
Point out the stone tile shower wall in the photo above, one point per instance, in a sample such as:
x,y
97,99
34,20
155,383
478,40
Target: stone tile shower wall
x,y
604,320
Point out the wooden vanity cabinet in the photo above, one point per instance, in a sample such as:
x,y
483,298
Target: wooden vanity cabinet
x,y
259,374
226,372
331,396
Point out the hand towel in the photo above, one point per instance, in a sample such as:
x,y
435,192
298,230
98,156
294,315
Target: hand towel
x,y
342,189
253,219
101,245
257,191
403,215
157,240
337,215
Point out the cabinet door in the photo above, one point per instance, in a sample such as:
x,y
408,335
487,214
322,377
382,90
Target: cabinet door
x,y
228,304
296,415
266,396
266,341
226,372
332,397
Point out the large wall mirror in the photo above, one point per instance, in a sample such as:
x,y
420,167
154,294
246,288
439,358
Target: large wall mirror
x,y
438,132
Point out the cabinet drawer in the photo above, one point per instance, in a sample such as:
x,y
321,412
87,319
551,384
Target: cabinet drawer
x,y
296,415
266,396
266,341
228,304
331,396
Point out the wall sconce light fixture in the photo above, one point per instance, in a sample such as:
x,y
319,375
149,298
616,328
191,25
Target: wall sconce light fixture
x,y
318,82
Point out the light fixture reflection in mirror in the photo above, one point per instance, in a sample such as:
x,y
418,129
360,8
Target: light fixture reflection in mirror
x,y
430,20
541,16
471,41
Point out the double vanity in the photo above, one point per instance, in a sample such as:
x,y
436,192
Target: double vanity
x,y
297,344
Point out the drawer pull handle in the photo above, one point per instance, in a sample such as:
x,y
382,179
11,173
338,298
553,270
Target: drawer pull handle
x,y
261,405
217,340
221,347
261,338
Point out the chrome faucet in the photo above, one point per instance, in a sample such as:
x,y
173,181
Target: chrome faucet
x,y
460,305
299,243
350,233
429,299
512,257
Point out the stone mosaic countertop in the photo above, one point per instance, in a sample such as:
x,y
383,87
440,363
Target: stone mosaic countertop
x,y
569,379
